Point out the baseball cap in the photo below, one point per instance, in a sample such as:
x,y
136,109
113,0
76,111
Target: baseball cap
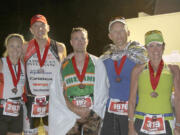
x,y
117,19
38,18
153,36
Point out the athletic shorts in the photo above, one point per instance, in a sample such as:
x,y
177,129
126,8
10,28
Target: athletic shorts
x,y
35,122
10,123
114,124
138,123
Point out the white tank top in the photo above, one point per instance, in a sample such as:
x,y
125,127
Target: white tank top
x,y
7,85
40,78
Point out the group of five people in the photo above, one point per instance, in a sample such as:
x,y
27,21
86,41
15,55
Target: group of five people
x,y
124,92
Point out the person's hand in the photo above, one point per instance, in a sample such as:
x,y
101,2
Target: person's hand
x,y
132,132
82,120
177,131
84,112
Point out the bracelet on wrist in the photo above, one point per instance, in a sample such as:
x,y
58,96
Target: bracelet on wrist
x,y
130,119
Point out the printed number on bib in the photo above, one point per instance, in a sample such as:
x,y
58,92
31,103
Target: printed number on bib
x,y
83,101
153,124
40,107
11,108
118,107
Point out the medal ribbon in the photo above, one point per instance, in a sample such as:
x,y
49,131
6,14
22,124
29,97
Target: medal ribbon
x,y
15,80
82,75
42,61
119,69
155,79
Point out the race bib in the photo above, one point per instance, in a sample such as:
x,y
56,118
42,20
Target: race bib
x,y
153,124
11,108
82,101
40,107
118,107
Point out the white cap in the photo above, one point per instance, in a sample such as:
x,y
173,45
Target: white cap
x,y
117,20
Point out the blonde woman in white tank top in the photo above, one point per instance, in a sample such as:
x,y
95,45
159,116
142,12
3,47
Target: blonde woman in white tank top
x,y
12,81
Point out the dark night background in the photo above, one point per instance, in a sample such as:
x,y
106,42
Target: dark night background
x,y
63,15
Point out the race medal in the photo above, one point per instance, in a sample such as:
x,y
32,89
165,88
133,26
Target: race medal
x,y
82,75
82,86
42,61
119,69
154,94
14,90
155,79
118,79
14,78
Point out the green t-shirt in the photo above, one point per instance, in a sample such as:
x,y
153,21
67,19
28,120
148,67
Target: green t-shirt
x,y
72,83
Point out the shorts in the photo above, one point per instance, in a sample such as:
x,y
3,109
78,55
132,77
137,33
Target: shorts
x,y
138,123
11,123
35,122
114,124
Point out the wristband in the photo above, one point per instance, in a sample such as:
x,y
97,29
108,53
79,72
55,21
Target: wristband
x,y
130,119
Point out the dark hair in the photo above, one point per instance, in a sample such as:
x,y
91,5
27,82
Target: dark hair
x,y
77,29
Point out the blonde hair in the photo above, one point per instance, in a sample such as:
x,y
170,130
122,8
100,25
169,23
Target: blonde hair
x,y
10,36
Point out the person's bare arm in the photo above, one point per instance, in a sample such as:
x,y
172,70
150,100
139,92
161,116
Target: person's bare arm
x,y
24,49
61,50
176,80
132,98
